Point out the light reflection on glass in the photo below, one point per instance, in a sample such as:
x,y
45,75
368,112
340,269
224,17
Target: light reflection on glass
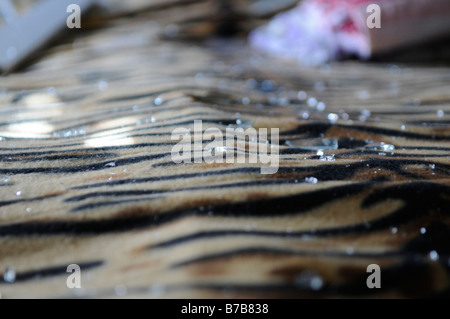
x,y
105,141
35,114
28,130
113,133
30,121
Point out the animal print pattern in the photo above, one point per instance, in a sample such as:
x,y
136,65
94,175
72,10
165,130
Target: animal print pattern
x,y
86,175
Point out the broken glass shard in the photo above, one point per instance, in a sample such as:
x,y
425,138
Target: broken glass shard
x,y
379,147
313,144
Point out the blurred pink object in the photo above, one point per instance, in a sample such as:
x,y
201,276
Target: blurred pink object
x,y
317,31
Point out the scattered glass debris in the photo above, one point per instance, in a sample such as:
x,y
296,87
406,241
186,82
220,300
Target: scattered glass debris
x,y
344,115
311,180
333,117
327,158
158,101
304,115
241,123
70,133
314,144
10,275
301,95
220,149
309,279
5,179
379,146
321,107
246,100
434,255
312,102
366,113
146,121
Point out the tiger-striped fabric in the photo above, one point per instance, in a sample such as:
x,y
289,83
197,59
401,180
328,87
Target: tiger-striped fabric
x,y
87,178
